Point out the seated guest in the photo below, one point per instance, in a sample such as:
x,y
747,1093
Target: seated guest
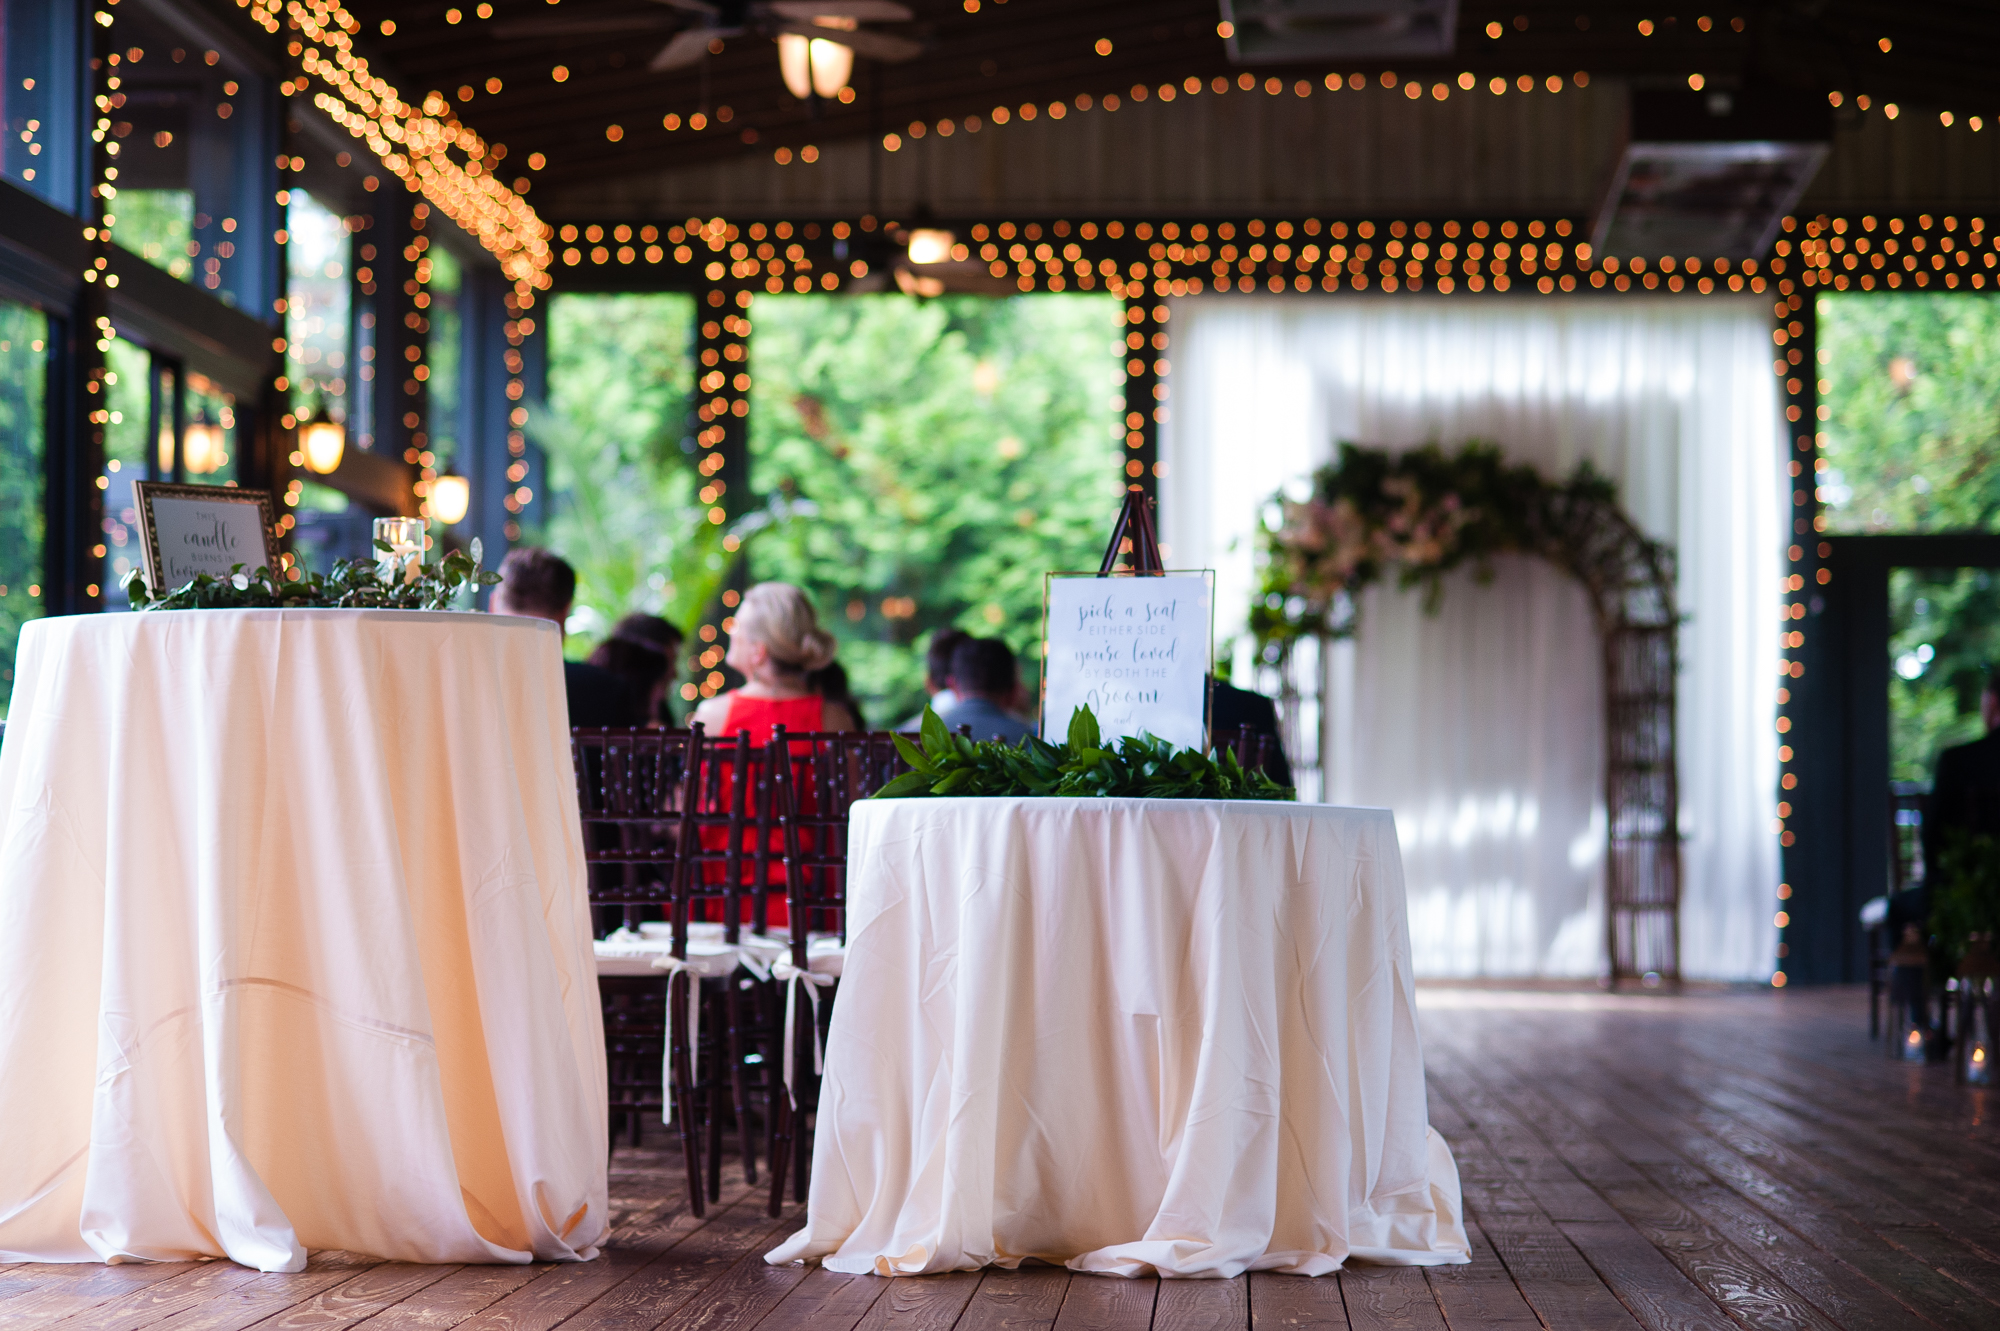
x,y
830,683
776,645
937,672
987,682
537,584
643,650
1231,708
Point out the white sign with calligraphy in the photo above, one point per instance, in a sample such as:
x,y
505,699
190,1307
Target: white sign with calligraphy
x,y
190,529
1135,650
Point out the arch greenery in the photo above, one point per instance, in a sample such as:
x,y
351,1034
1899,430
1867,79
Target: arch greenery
x,y
1421,514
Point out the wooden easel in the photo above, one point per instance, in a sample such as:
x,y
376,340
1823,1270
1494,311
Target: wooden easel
x,y
1135,522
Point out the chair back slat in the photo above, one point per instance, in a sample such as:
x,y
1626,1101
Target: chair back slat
x,y
819,775
633,789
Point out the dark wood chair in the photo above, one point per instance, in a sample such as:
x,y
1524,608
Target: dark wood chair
x,y
735,870
817,778
638,792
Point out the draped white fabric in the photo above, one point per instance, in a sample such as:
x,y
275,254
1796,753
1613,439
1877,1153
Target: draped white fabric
x,y
294,943
1481,726
1133,1036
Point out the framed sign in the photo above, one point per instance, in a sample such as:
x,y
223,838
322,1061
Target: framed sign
x,y
1135,650
190,529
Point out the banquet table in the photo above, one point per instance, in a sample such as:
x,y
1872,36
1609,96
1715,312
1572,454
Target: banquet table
x,y
1127,1036
294,944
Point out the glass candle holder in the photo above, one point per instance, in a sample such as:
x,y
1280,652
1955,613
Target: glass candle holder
x,y
403,561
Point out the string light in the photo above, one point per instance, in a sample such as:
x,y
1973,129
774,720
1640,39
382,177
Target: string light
x,y
1188,258
424,145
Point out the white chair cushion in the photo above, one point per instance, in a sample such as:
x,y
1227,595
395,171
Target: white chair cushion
x,y
627,953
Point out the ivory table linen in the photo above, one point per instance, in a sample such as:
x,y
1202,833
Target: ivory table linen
x,y
294,944
1127,1036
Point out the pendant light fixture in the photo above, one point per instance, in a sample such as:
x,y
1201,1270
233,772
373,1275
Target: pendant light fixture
x,y
814,66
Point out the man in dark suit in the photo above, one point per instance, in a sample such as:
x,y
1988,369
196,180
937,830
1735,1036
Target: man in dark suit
x,y
1231,708
1966,791
986,685
538,584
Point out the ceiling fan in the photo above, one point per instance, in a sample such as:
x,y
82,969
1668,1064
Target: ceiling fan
x,y
817,39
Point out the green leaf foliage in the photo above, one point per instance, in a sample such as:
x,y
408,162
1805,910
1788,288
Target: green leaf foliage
x,y
1141,767
1966,900
1911,384
955,450
352,584
23,364
623,459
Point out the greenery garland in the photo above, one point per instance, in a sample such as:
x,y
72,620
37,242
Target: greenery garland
x,y
1142,767
1424,513
352,584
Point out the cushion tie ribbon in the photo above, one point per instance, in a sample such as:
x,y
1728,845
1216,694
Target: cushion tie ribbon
x,y
675,967
792,977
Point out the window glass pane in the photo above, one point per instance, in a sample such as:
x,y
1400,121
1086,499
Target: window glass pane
x,y
39,71
620,481
954,451
1911,439
194,160
443,353
317,315
127,458
23,365
1944,631
158,226
208,443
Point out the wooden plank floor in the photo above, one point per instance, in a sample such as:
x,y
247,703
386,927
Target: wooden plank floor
x,y
1712,1159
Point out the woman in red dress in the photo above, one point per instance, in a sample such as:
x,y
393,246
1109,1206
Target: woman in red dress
x,y
775,644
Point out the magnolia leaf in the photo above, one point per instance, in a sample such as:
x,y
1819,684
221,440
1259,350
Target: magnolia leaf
x,y
937,740
909,783
1083,732
912,755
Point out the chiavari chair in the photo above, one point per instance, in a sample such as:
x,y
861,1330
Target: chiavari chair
x,y
658,808
734,870
817,777
632,794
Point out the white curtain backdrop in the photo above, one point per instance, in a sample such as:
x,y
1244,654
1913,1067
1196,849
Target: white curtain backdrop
x,y
1481,726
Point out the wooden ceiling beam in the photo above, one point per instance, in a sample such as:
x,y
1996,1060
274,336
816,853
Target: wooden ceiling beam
x,y
1941,56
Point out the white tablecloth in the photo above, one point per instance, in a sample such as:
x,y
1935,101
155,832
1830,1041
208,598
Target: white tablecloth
x,y
1125,1036
294,945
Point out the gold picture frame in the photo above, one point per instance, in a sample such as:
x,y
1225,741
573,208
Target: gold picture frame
x,y
189,529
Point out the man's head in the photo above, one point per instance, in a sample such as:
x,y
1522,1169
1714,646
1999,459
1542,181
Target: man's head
x,y
535,583
937,659
985,668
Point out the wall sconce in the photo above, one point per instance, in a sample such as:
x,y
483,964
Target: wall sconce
x,y
451,496
203,447
323,441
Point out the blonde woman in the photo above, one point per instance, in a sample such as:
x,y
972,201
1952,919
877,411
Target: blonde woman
x,y
776,645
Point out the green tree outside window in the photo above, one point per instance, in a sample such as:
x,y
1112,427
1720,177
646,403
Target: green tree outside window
x,y
1912,444
954,451
23,366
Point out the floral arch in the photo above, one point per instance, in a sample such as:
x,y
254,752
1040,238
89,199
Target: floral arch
x,y
1422,514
